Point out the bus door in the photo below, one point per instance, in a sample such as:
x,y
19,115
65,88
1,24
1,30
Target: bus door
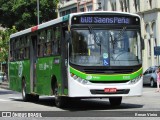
x,y
33,61
64,47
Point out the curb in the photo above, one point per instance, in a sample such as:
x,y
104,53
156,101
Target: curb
x,y
4,85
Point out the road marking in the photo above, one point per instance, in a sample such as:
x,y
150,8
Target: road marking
x,y
4,100
15,98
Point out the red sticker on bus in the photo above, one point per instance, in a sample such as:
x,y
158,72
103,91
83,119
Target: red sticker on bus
x,y
34,28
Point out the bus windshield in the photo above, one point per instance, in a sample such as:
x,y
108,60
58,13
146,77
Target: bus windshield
x,y
105,47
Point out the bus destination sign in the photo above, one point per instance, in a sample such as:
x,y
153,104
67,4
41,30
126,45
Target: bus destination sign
x,y
105,20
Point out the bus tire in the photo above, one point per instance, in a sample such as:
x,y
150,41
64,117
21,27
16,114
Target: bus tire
x,y
25,96
115,101
59,100
34,98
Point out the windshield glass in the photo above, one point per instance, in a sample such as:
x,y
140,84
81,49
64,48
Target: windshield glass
x,y
97,47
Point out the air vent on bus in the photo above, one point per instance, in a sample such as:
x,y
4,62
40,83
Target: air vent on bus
x,y
108,71
120,81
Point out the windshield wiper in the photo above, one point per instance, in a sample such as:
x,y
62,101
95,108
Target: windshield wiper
x,y
96,38
115,39
121,32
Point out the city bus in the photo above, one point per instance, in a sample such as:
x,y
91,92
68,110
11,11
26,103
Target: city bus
x,y
95,54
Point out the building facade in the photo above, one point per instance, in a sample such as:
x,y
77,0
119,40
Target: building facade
x,y
72,6
149,11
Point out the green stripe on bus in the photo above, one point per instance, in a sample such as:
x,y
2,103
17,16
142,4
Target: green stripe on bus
x,y
115,77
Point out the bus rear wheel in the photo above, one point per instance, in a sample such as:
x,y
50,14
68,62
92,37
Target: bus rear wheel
x,y
25,96
115,101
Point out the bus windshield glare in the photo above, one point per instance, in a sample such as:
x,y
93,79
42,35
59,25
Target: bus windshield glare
x,y
105,47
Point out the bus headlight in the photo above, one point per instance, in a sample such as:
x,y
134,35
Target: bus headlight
x,y
80,80
135,80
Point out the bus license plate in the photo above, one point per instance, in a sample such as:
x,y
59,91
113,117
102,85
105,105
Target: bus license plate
x,y
110,90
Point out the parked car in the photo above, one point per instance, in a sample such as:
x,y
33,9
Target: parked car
x,y
150,76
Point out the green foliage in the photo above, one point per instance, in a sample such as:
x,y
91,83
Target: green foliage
x,y
23,13
4,41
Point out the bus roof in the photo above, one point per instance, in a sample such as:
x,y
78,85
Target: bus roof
x,y
108,12
40,26
61,19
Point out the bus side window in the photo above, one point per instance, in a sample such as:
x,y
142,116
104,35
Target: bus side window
x,y
56,40
47,45
41,42
11,49
26,52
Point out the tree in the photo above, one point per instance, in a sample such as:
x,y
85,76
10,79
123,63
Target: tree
x,y
4,45
23,13
4,41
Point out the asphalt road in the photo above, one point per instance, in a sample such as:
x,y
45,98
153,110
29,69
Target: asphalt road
x,y
148,104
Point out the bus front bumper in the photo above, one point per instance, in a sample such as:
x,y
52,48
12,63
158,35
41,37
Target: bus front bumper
x,y
77,89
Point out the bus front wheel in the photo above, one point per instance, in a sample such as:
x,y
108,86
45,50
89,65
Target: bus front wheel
x,y
115,101
59,100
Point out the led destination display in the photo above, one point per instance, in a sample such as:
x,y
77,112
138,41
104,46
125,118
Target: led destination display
x,y
128,20
107,20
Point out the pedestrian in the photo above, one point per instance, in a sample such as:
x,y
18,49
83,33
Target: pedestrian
x,y
158,79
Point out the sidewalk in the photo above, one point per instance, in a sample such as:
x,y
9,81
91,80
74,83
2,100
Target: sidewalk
x,y
5,85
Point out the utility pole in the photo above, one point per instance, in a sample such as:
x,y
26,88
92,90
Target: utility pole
x,y
38,12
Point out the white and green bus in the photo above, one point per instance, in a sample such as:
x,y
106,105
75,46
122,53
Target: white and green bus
x,y
94,54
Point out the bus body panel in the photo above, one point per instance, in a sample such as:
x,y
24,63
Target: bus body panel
x,y
45,69
17,71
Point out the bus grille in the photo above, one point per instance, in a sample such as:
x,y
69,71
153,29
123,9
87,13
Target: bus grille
x,y
108,71
120,81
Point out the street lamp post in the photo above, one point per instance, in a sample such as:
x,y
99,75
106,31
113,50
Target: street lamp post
x,y
38,12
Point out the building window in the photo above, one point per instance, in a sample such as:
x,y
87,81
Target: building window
x,y
137,5
63,13
74,10
126,5
113,6
149,47
68,12
81,9
150,3
155,42
122,7
89,8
